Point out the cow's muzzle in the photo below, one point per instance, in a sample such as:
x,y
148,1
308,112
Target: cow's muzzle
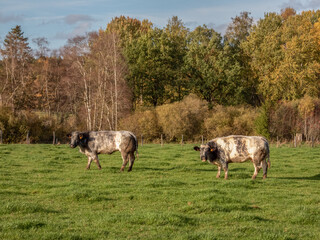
x,y
203,159
72,145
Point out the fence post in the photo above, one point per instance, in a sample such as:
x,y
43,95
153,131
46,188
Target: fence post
x,y
202,139
54,138
277,141
1,137
182,140
28,140
141,140
161,140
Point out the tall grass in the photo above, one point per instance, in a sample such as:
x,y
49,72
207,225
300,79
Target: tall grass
x,y
46,193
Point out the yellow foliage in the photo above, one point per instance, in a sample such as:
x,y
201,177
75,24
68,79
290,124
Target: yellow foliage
x,y
182,118
232,120
306,105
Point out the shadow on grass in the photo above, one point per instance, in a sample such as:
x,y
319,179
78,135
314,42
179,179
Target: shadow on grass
x,y
315,177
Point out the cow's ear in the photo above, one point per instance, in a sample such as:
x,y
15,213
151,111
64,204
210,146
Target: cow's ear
x,y
212,146
196,148
69,135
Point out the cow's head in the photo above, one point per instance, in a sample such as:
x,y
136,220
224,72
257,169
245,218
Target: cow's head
x,y
207,151
77,138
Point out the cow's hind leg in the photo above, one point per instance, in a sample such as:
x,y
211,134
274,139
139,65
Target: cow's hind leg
x,y
125,160
256,170
264,168
225,169
131,161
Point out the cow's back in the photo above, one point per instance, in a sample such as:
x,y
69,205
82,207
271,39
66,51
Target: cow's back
x,y
111,141
103,141
238,148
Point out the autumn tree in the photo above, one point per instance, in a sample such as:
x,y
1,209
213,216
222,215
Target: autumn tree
x,y
97,78
284,55
128,28
287,12
264,50
298,73
113,97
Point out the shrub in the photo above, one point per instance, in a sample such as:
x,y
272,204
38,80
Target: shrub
x,y
232,120
300,116
182,118
262,122
284,120
142,123
39,126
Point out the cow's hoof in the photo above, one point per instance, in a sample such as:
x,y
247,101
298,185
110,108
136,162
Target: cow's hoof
x,y
264,177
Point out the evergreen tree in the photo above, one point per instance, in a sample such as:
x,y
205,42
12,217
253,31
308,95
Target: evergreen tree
x,y
16,55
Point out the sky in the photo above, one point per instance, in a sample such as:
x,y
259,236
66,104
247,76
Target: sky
x,y
60,20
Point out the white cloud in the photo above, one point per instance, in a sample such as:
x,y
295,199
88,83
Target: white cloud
x,y
75,18
10,18
300,5
79,30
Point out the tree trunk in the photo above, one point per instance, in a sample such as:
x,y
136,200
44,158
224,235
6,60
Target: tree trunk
x,y
115,83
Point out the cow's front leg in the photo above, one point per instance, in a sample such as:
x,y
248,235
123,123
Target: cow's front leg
x,y
219,171
225,169
125,160
89,162
224,164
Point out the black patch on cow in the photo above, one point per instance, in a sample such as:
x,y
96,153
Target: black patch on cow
x,y
211,155
221,153
83,142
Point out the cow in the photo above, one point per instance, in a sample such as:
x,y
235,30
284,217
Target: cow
x,y
94,143
236,149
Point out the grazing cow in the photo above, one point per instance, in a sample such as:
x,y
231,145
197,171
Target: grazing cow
x,y
93,143
236,149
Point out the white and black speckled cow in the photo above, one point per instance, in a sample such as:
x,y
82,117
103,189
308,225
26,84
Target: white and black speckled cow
x,y
93,143
236,149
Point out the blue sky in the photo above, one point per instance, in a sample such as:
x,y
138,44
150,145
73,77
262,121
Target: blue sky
x,y
59,20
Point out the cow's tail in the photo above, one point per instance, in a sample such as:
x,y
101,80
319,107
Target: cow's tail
x,y
137,153
269,163
268,156
136,142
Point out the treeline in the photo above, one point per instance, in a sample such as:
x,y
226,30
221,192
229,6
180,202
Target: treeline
x,y
258,78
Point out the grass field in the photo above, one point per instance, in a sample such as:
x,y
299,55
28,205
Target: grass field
x,y
46,193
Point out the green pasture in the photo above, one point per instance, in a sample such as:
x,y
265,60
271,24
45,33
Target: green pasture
x,y
46,193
